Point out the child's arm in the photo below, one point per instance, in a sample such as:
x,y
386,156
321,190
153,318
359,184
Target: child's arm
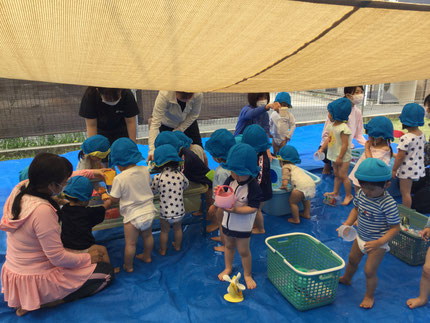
x,y
154,184
352,217
401,154
375,244
286,174
292,126
367,146
324,145
345,138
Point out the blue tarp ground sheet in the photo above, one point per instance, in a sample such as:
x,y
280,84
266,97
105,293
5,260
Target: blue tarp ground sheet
x,y
183,286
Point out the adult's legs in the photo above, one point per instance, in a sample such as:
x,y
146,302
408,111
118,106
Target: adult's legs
x,y
193,132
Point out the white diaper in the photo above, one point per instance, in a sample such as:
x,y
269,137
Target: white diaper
x,y
361,243
173,220
141,223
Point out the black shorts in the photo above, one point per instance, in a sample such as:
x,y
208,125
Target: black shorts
x,y
236,234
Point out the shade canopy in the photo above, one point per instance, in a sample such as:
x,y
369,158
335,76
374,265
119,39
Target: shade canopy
x,y
220,46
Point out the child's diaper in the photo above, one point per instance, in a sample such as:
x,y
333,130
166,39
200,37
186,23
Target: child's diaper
x,y
361,243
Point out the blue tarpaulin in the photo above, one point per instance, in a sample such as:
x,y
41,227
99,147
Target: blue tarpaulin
x,y
183,286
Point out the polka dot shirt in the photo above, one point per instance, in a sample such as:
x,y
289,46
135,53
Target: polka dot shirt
x,y
412,166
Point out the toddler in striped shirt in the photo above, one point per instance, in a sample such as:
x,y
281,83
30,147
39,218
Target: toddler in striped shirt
x,y
378,222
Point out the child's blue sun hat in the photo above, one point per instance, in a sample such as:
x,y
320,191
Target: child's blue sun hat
x,y
412,115
340,109
168,138
164,154
79,187
380,127
238,138
242,159
184,140
290,154
283,97
373,170
220,143
97,146
255,136
124,152
23,174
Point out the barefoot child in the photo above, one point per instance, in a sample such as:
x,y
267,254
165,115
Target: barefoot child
x,y
282,122
237,222
423,298
218,146
409,163
378,222
303,187
77,219
170,183
380,131
338,146
93,150
132,189
255,136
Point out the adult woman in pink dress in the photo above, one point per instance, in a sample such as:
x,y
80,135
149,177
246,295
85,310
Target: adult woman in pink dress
x,y
38,271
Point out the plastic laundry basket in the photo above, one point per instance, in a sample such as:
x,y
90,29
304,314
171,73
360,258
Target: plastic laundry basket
x,y
406,246
303,269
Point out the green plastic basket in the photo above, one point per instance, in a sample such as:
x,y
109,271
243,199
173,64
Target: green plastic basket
x,y
303,269
406,246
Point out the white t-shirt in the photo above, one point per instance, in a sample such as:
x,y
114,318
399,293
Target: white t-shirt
x,y
282,127
133,188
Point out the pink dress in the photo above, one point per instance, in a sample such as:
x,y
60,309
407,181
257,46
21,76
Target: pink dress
x,y
382,154
38,269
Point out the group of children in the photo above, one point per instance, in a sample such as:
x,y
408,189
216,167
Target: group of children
x,y
244,166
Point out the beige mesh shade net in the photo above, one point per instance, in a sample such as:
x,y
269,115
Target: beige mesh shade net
x,y
214,45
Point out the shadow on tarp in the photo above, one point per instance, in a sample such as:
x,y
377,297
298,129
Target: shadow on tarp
x,y
183,286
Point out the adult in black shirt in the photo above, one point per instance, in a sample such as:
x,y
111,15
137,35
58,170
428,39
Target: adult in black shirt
x,y
109,112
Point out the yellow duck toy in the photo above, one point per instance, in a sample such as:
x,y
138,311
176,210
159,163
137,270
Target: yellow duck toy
x,y
234,290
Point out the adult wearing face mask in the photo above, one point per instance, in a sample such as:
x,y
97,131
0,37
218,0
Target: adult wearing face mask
x,y
255,112
109,112
355,121
175,110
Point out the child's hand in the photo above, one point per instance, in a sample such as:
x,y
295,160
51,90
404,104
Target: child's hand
x,y
425,234
372,245
98,173
394,173
96,256
216,189
338,162
107,203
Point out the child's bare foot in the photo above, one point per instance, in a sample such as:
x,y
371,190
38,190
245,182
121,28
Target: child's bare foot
x,y
416,302
224,272
198,213
127,269
162,251
344,281
258,231
326,169
177,248
142,257
295,221
347,200
116,270
211,227
219,248
218,238
20,311
367,302
305,215
250,282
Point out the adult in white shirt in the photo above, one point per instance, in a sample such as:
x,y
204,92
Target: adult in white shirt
x,y
355,121
175,111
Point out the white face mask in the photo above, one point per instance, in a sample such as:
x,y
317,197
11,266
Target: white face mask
x,y
111,103
357,98
261,102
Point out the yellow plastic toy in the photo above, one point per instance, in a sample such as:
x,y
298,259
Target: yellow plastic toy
x,y
234,290
110,174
